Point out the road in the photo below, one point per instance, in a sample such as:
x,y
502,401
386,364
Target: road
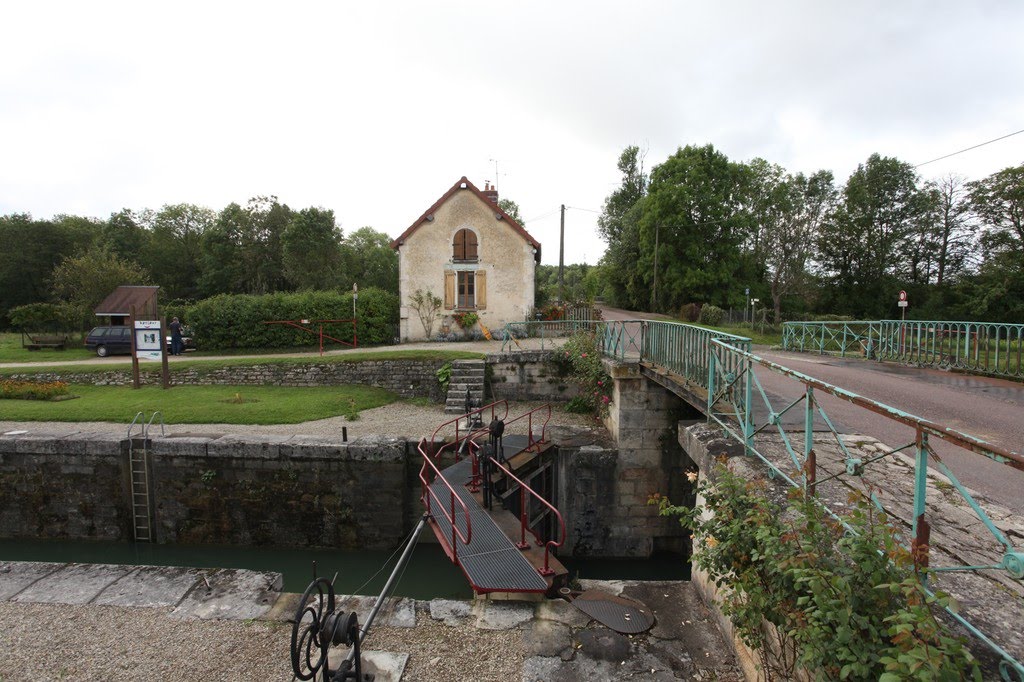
x,y
987,408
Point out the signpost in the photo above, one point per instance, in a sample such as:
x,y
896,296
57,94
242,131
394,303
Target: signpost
x,y
148,343
902,303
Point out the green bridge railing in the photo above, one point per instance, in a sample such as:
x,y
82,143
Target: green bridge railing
x,y
995,348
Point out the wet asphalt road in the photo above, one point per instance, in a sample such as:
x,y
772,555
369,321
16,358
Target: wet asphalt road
x,y
987,408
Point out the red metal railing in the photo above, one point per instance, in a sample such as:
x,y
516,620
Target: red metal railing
x,y
298,324
428,495
524,514
493,407
530,442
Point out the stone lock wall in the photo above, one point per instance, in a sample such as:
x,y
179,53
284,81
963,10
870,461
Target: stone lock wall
x,y
530,375
285,491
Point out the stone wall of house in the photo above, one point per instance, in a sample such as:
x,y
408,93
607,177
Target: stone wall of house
x,y
407,378
505,256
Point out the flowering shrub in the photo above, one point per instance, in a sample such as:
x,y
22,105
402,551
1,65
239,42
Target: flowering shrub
x,y
32,390
465,320
806,594
581,359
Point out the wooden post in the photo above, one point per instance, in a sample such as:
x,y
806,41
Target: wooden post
x,y
135,357
165,373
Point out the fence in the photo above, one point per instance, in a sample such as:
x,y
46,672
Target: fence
x,y
995,348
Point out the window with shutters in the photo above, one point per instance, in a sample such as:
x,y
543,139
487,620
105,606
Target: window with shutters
x,y
464,247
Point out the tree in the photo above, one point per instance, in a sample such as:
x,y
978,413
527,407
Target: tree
x,y
175,256
998,201
31,249
426,304
619,226
787,211
859,249
370,261
242,251
512,209
124,236
312,252
693,220
85,280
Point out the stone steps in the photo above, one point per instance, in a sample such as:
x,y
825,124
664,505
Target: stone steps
x,y
466,375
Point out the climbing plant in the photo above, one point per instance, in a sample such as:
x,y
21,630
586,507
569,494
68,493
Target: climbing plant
x,y
838,598
580,359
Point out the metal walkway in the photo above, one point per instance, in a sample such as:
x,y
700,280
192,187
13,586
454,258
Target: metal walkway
x,y
490,560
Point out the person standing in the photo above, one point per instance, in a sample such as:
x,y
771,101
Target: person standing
x,y
175,337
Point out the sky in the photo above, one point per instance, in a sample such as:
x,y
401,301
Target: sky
x,y
374,110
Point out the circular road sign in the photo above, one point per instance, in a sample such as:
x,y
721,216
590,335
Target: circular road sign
x,y
903,295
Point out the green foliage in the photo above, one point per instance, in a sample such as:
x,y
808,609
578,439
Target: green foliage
x,y
580,359
465,320
711,315
224,322
45,317
805,593
426,304
369,261
311,246
444,377
87,279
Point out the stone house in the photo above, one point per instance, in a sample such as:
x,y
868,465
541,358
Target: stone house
x,y
472,255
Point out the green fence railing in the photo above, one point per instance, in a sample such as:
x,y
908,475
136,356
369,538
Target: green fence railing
x,y
995,348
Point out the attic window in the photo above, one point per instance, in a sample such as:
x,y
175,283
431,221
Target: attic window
x,y
464,246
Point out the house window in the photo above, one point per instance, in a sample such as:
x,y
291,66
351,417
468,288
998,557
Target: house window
x,y
466,289
464,247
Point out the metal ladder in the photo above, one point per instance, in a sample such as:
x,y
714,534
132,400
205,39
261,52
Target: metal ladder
x,y
138,460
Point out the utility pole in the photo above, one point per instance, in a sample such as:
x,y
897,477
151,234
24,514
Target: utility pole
x,y
654,289
561,260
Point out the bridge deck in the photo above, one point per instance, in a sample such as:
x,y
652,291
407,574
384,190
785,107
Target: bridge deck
x,y
490,560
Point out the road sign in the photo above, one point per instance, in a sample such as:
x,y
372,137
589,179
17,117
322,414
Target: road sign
x,y
903,297
902,304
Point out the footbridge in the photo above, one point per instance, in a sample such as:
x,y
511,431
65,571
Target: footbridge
x,y
742,393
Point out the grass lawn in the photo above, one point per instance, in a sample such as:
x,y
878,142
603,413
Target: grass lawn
x,y
201,404
11,350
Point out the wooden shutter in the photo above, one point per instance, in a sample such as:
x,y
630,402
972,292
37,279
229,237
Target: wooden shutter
x,y
481,289
449,290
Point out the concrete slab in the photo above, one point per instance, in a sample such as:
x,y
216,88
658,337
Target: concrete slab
x,y
283,610
74,584
385,665
231,593
561,611
399,613
502,616
16,576
151,586
449,611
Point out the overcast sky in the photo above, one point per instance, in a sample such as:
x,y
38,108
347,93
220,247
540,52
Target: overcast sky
x,y
374,109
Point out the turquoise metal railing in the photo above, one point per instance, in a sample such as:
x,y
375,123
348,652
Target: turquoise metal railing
x,y
829,337
995,348
732,369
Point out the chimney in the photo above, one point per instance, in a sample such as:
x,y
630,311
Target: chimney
x,y
490,192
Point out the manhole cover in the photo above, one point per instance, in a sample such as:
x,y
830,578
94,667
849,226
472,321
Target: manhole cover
x,y
618,613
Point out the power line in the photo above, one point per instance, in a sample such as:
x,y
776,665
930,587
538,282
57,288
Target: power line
x,y
589,210
553,211
970,148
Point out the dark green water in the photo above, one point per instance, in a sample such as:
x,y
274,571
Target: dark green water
x,y
429,574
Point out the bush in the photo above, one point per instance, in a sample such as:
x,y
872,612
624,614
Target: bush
x,y
46,317
237,321
690,312
711,315
580,360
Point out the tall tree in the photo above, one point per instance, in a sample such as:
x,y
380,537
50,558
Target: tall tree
x,y
956,229
312,251
242,250
175,255
998,201
369,261
619,226
692,224
85,280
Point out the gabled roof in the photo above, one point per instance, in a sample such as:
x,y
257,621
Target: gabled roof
x,y
121,300
463,185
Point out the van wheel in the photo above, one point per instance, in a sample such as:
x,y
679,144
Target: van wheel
x,y
101,351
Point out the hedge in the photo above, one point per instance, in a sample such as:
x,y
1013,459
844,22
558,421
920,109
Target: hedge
x,y
237,321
